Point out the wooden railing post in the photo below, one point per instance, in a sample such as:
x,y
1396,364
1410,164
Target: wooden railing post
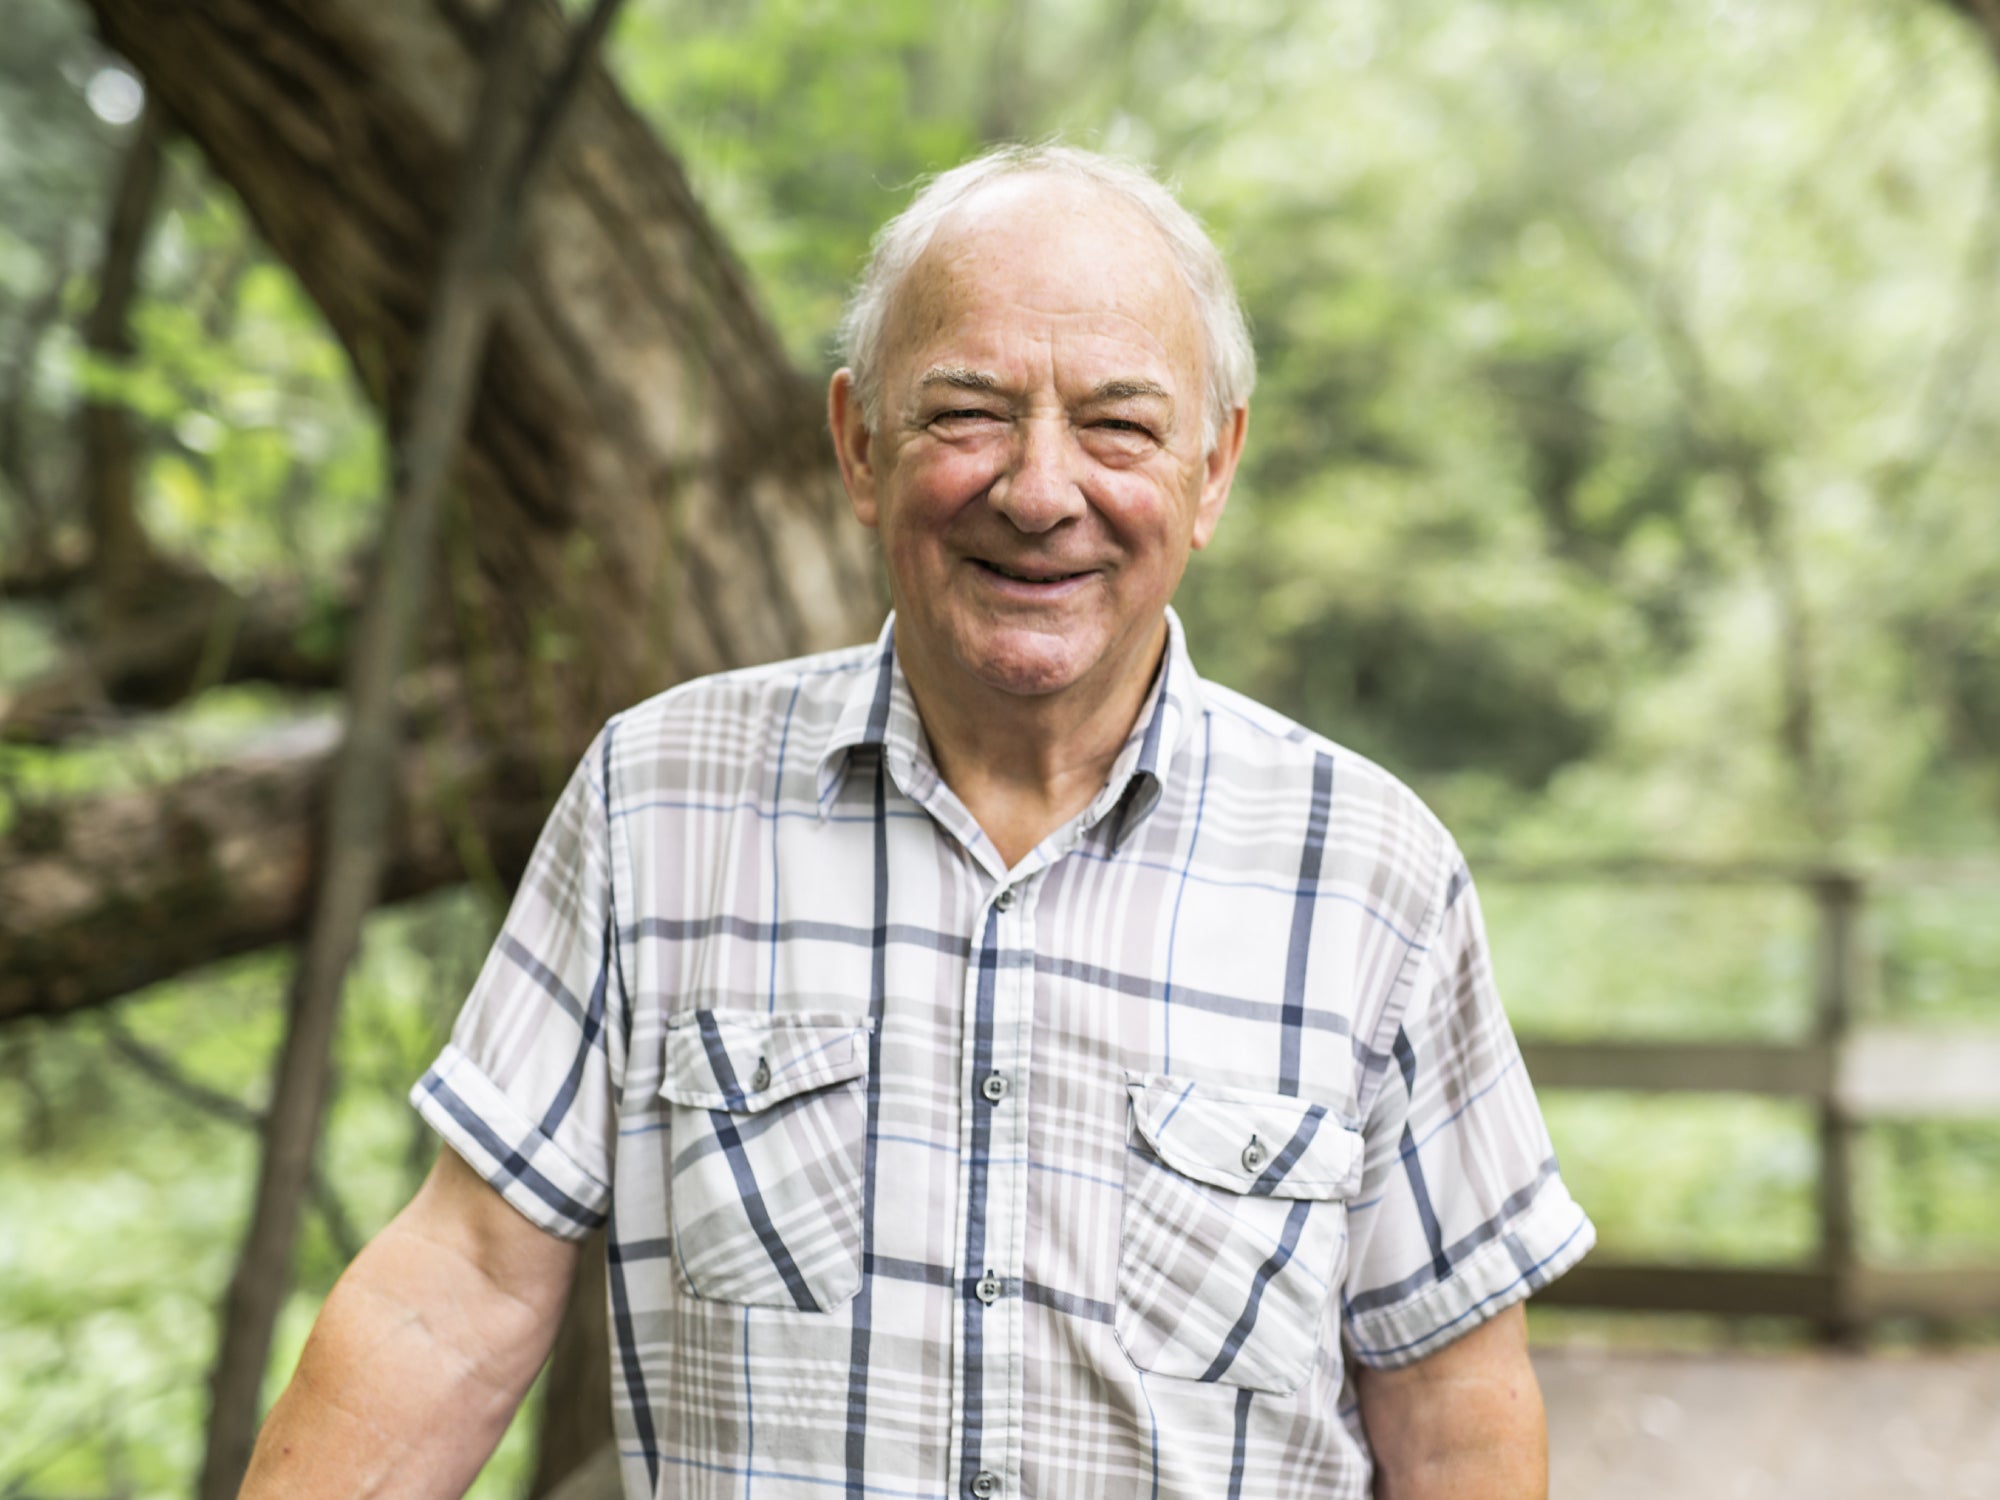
x,y
1838,896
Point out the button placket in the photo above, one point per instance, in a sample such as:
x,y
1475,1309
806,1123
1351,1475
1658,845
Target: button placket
x,y
994,1084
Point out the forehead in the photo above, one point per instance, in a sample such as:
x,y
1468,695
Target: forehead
x,y
1039,260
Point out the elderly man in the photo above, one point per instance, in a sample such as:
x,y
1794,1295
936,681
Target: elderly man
x,y
1004,1063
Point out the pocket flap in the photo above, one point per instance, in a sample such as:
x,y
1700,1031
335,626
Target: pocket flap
x,y
1265,1145
743,1062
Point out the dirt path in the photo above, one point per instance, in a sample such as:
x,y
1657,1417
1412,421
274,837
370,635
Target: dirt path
x,y
1772,1427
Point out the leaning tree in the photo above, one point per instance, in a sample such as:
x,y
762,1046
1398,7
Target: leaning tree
x,y
644,493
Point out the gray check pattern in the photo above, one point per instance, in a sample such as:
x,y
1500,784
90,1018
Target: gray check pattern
x,y
928,1178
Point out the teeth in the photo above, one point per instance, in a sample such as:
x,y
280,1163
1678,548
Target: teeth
x,y
1029,577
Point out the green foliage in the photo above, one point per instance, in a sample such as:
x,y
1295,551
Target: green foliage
x,y
1702,1180
54,158
1931,1187
263,460
123,1203
1938,951
1606,351
1713,962
268,464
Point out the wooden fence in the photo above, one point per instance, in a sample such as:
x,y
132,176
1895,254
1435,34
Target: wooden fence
x,y
1849,1070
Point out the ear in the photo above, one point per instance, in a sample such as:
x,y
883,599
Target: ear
x,y
1218,473
850,444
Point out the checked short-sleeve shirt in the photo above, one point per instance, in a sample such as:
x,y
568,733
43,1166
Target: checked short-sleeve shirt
x,y
926,1177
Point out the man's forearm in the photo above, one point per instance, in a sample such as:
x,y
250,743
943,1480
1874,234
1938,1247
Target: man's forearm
x,y
1491,1451
1465,1424
419,1358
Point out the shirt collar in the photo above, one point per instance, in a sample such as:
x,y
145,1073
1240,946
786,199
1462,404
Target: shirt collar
x,y
880,714
1166,720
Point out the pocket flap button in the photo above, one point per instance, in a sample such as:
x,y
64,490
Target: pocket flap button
x,y
761,1079
1254,1155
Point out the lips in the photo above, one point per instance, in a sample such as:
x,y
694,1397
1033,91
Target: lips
x,y
1030,573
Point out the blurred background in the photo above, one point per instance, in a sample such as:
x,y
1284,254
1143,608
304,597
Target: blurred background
x,y
1621,474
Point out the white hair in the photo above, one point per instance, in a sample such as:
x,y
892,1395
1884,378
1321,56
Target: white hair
x,y
900,243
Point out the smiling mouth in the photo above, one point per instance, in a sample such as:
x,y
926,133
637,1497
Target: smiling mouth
x,y
1017,575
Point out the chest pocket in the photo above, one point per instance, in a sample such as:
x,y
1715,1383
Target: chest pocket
x,y
768,1120
1234,1232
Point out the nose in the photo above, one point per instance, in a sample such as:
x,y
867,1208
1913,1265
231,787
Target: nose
x,y
1038,491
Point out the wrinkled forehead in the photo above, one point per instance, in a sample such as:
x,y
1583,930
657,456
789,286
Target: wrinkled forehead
x,y
1043,245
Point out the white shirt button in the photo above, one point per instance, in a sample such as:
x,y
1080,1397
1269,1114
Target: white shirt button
x,y
988,1289
761,1079
1005,900
994,1088
1254,1155
985,1484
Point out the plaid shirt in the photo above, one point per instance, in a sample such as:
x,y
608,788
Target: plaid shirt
x,y
927,1177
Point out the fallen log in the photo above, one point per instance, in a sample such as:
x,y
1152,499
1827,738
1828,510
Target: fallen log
x,y
102,897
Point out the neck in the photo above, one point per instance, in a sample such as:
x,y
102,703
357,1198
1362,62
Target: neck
x,y
1025,765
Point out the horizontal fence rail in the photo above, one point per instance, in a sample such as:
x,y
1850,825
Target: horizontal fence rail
x,y
1851,1072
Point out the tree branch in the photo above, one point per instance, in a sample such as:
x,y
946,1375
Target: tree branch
x,y
196,633
108,451
636,426
102,897
17,466
1984,14
168,1075
636,416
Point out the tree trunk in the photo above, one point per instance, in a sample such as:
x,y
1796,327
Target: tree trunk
x,y
576,1402
496,176
646,491
647,478
1985,14
109,449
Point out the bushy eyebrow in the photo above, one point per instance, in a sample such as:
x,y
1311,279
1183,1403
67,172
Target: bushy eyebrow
x,y
1127,389
960,378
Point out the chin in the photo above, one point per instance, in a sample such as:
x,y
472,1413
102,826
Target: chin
x,y
1047,667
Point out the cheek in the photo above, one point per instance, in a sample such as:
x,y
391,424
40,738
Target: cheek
x,y
1143,513
907,550
948,475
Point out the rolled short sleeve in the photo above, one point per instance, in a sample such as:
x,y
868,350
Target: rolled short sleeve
x,y
1461,1212
525,1090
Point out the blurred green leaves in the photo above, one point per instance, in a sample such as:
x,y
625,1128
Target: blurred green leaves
x,y
1568,318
